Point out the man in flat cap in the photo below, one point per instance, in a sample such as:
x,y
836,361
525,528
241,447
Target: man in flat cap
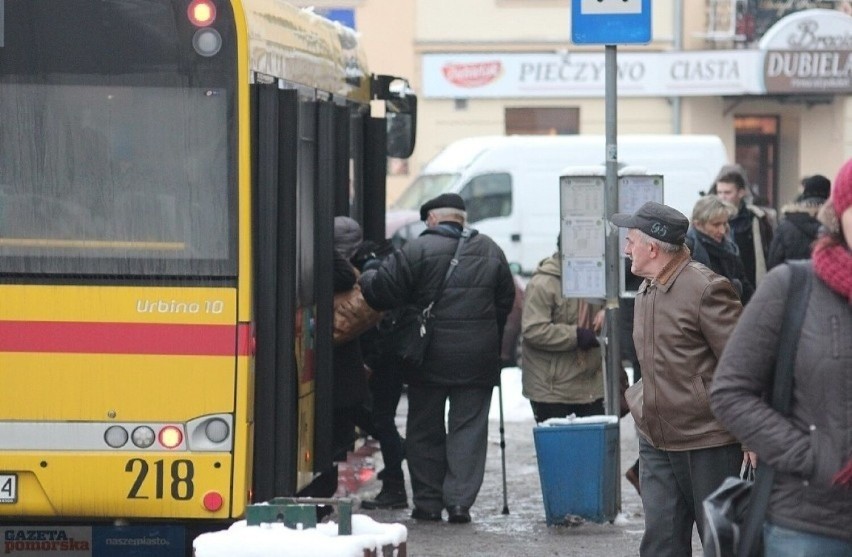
x,y
684,314
462,362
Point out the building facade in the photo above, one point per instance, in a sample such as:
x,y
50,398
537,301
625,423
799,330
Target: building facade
x,y
772,78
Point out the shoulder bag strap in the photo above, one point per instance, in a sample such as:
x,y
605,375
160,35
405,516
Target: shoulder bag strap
x,y
782,394
454,262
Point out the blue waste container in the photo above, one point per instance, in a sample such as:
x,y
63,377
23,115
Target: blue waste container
x,y
578,469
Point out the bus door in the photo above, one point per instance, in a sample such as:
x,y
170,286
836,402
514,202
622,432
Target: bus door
x,y
301,167
275,135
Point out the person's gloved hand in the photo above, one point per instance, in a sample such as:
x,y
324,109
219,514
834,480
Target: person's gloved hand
x,y
371,264
586,339
370,254
365,257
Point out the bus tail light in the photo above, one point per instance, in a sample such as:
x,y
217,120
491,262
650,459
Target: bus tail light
x,y
207,42
212,501
171,437
201,13
217,430
116,436
143,437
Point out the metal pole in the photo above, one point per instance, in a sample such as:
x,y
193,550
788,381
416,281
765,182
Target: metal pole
x,y
677,102
502,444
613,255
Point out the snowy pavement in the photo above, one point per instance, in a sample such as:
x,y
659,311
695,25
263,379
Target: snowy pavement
x,y
521,533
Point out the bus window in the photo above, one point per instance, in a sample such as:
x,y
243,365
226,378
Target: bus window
x,y
122,174
117,149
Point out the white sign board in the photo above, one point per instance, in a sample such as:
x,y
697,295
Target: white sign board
x,y
581,74
633,192
582,236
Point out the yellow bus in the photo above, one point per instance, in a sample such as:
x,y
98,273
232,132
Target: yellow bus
x,y
169,175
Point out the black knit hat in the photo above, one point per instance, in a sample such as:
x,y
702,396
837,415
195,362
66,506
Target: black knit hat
x,y
816,186
657,221
445,200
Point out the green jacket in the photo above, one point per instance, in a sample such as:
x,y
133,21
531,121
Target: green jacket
x,y
554,369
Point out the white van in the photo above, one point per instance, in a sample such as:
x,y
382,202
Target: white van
x,y
510,184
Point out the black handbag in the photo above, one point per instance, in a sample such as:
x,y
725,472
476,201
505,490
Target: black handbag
x,y
414,326
734,513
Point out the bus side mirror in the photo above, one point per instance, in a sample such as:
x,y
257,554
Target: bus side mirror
x,y
401,126
400,114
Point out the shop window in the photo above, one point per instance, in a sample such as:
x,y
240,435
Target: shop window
x,y
543,121
488,196
757,152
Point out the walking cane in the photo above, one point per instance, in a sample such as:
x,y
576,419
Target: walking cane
x,y
502,443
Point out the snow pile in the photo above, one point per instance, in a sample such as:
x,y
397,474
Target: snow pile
x,y
574,420
515,407
274,540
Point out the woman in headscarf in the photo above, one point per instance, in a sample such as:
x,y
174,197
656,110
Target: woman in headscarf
x,y
351,394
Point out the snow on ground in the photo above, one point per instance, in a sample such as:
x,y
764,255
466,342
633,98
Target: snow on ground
x,y
515,407
272,540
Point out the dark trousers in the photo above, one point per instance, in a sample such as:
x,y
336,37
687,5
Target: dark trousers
x,y
344,421
386,388
674,486
446,461
546,410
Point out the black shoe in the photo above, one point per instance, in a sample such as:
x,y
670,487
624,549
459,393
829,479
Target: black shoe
x,y
420,514
458,514
392,496
383,474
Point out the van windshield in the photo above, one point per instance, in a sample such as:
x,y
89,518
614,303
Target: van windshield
x,y
424,188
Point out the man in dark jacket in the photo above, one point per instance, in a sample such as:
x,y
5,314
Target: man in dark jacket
x,y
751,226
798,229
462,364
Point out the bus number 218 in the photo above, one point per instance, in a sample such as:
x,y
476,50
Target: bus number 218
x,y
180,471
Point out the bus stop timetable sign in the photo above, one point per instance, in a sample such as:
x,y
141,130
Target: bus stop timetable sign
x,y
610,22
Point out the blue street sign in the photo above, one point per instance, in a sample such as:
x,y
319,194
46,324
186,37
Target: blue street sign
x,y
611,22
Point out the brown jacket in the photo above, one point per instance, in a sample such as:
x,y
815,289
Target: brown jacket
x,y
682,321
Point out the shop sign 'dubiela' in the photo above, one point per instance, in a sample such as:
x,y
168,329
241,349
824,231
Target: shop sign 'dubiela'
x,y
809,52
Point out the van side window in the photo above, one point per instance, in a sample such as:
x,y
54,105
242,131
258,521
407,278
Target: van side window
x,y
488,196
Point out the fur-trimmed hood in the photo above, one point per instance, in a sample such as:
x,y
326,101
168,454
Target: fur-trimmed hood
x,y
810,206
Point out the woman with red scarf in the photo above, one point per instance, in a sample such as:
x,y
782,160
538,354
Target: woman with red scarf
x,y
810,509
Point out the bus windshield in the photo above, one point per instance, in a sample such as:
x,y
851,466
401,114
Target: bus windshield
x,y
424,188
111,166
118,172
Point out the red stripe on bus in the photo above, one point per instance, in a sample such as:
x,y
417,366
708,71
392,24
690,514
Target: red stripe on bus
x,y
118,338
245,340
